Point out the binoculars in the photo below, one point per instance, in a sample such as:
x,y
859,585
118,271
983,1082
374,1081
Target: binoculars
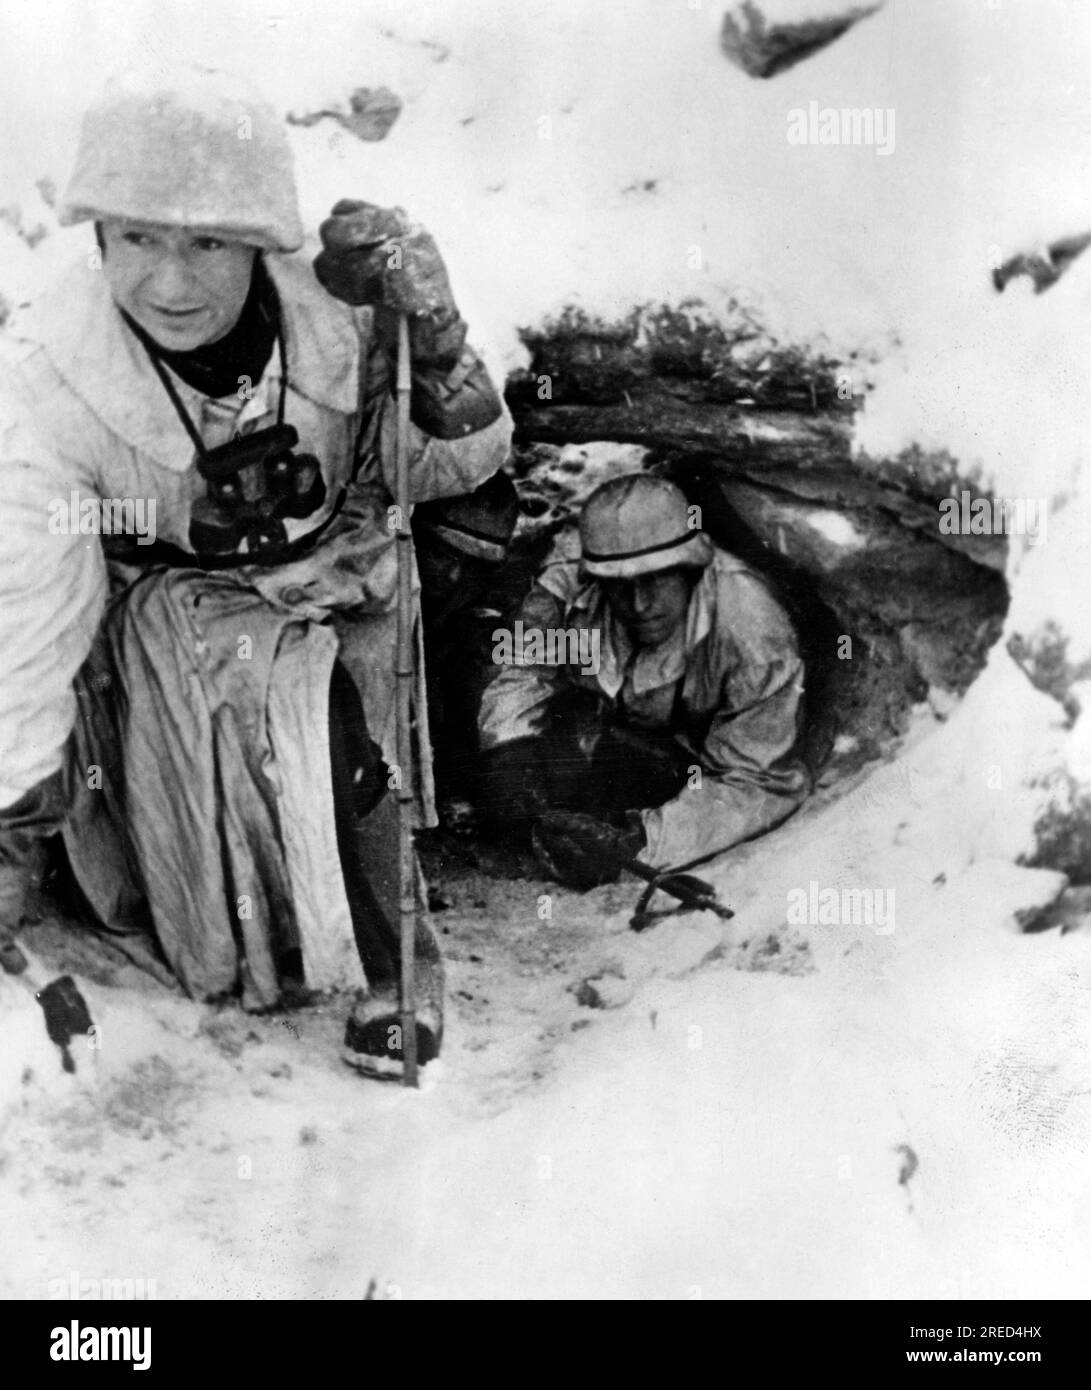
x,y
254,481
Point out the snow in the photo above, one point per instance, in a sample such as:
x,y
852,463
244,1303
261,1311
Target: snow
x,y
726,1135
543,121
836,527
731,1132
609,155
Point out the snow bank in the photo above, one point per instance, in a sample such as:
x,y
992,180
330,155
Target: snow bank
x,y
735,1136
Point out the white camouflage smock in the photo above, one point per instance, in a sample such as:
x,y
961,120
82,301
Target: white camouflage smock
x,y
202,787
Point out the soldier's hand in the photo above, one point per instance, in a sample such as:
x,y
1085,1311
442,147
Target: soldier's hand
x,y
582,852
378,256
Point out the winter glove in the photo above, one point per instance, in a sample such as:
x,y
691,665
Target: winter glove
x,y
582,852
373,255
377,256
510,786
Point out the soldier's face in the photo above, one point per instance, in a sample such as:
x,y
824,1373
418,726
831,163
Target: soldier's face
x,y
650,607
184,288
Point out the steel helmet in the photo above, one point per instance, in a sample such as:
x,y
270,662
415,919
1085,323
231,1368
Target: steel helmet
x,y
186,147
639,524
478,523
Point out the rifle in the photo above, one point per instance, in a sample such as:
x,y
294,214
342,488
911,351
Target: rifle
x,y
692,892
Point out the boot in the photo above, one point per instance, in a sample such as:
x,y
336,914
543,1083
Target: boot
x,y
373,1032
368,845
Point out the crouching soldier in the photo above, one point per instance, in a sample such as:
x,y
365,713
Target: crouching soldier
x,y
206,702
461,544
652,706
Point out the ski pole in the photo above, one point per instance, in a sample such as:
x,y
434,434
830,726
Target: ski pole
x,y
404,678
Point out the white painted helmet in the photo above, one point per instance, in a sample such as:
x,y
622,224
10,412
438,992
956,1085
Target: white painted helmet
x,y
187,147
639,524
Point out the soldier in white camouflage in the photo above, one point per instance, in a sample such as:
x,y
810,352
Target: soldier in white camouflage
x,y
206,709
682,737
